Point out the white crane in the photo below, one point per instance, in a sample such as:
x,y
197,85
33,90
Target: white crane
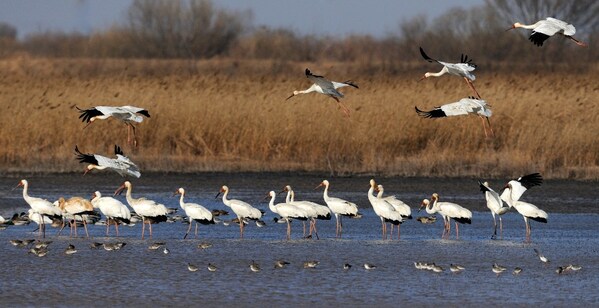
x,y
339,207
194,212
314,210
149,210
465,106
324,86
462,69
403,209
544,29
495,205
287,211
126,114
121,164
512,193
40,206
449,211
242,209
75,206
384,210
113,209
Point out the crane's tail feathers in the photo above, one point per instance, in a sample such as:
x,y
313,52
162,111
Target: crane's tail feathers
x,y
351,84
435,113
463,220
426,57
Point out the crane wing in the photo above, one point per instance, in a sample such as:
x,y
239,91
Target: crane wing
x,y
319,80
86,158
87,114
568,29
426,57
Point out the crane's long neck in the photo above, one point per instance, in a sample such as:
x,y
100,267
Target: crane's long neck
x,y
271,204
430,206
94,201
25,194
128,195
181,203
442,72
225,200
371,197
292,195
325,194
288,197
519,25
312,88
380,194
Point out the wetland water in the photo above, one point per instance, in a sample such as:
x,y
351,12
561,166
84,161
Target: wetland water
x,y
136,275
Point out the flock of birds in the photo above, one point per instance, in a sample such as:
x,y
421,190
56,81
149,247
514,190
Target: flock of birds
x,y
389,209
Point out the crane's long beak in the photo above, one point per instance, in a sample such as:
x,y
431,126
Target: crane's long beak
x,y
217,195
85,171
319,185
422,78
292,95
175,193
93,196
18,185
119,190
265,197
510,28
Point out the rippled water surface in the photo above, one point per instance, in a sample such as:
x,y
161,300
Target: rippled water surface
x,y
136,275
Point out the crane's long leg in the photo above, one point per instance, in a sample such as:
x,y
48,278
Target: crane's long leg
x,y
196,229
383,227
484,127
343,108
304,224
107,225
457,230
490,128
398,230
471,85
315,231
579,43
85,226
340,226
188,228
500,228
494,227
143,227
288,229
116,227
150,224
134,136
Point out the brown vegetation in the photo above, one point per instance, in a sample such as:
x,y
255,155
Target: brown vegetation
x,y
232,115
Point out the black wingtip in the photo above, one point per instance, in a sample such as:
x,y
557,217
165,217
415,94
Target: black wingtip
x,y
351,83
144,112
435,113
117,150
425,56
308,73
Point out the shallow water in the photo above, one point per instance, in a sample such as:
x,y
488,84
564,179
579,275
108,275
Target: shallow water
x,y
136,275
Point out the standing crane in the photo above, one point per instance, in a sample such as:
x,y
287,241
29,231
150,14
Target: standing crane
x,y
383,209
242,209
287,211
544,29
194,212
149,210
339,207
40,206
324,86
464,106
126,114
462,69
403,209
512,193
449,211
121,164
113,209
495,204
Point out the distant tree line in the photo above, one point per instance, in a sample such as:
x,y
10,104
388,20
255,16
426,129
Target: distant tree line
x,y
197,29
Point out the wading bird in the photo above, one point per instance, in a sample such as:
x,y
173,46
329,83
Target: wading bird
x,y
40,206
113,209
384,210
194,212
512,193
126,114
149,210
242,209
75,206
544,29
464,106
463,69
449,211
314,210
402,208
339,207
324,86
495,204
121,164
287,211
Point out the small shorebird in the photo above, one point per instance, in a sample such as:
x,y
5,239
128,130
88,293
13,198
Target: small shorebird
x,y
95,245
541,256
204,245
192,268
437,268
346,266
254,267
212,267
40,252
455,268
156,245
573,267
498,269
369,266
427,219
166,251
517,271
281,263
70,250
311,264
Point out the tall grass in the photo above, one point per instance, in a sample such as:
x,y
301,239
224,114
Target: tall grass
x,y
229,115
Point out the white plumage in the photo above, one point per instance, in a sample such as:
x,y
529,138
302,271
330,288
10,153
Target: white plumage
x,y
383,209
324,86
314,210
401,207
126,114
464,106
448,211
339,207
113,209
121,164
462,69
495,205
544,29
39,206
242,209
194,212
287,211
149,210
512,193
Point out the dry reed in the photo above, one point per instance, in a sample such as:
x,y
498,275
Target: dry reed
x,y
226,115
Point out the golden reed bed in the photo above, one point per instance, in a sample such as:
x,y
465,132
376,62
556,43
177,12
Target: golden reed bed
x,y
226,115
